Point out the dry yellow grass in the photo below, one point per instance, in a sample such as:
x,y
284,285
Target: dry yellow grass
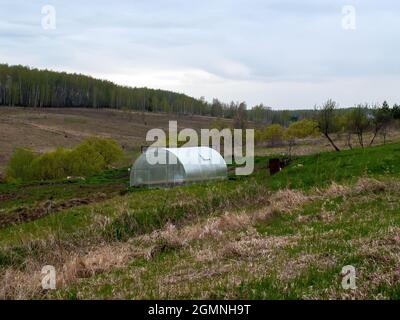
x,y
225,246
75,264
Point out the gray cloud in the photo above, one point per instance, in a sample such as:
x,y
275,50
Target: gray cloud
x,y
283,53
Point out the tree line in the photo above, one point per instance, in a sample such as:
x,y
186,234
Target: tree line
x,y
29,87
357,121
26,87
364,122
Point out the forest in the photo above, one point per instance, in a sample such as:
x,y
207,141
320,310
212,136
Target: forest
x,y
26,87
30,87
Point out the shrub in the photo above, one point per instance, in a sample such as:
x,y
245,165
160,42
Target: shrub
x,y
88,158
85,159
108,148
302,129
273,134
51,165
20,165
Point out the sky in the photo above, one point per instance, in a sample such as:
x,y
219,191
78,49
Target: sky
x,y
286,54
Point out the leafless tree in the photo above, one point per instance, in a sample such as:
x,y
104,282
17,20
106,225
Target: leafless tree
x,y
359,122
326,119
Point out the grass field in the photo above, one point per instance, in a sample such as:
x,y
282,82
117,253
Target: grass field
x,y
256,237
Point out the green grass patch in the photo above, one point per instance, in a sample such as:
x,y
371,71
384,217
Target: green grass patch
x,y
320,170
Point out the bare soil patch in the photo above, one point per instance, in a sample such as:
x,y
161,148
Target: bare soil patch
x,y
26,214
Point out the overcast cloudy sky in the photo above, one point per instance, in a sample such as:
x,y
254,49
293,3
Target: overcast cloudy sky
x,y
283,53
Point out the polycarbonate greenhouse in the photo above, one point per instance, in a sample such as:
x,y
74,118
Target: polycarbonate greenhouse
x,y
171,166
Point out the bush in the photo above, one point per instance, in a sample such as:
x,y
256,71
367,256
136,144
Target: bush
x,y
20,165
302,129
85,160
272,134
107,148
90,157
51,165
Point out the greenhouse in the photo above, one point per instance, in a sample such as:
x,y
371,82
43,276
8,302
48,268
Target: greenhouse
x,y
173,166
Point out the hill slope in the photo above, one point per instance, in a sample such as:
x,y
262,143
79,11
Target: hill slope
x,y
43,129
285,236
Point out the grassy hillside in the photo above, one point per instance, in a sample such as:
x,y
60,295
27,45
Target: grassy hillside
x,y
285,236
44,129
